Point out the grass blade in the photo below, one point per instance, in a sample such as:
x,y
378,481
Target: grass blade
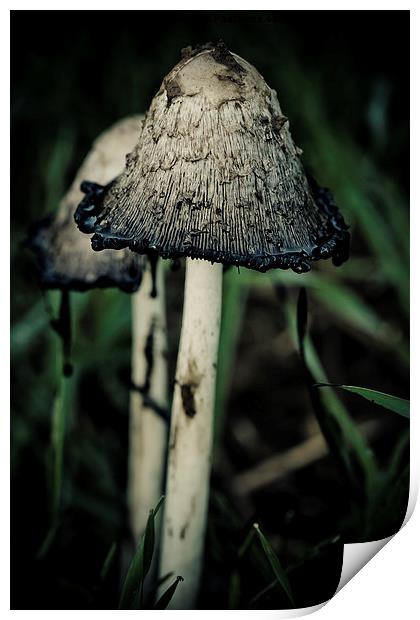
x,y
397,456
234,305
277,568
166,597
158,506
57,449
140,564
329,424
234,590
335,407
149,538
245,545
110,556
262,593
387,401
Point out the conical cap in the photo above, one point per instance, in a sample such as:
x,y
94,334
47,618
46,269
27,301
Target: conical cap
x,y
65,257
216,175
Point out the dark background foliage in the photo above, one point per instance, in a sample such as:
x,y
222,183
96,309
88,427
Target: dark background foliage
x,y
342,80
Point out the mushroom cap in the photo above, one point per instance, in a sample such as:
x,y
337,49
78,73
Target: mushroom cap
x,y
65,258
216,175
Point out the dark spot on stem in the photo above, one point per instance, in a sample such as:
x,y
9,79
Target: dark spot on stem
x,y
174,435
188,401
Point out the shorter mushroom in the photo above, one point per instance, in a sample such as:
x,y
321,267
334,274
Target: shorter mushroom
x,y
149,413
67,262
65,258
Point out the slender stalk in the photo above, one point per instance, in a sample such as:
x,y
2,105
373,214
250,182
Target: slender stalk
x,y
191,435
148,430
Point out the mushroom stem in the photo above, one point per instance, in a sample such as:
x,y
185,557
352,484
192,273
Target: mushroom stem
x,y
148,431
191,435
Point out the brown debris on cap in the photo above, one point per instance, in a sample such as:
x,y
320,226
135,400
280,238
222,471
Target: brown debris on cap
x,y
216,175
64,256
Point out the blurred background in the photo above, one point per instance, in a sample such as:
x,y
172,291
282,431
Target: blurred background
x,y
342,80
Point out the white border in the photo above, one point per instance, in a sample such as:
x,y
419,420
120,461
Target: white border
x,y
388,584
218,5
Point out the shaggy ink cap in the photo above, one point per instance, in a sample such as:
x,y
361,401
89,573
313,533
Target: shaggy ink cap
x,y
65,258
216,175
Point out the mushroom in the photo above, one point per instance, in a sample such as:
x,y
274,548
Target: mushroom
x,y
216,178
66,261
148,432
65,258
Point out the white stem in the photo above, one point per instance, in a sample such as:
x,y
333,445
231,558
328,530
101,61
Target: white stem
x,y
148,431
191,435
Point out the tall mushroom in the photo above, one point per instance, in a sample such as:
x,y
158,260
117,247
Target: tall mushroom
x,y
215,177
66,261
